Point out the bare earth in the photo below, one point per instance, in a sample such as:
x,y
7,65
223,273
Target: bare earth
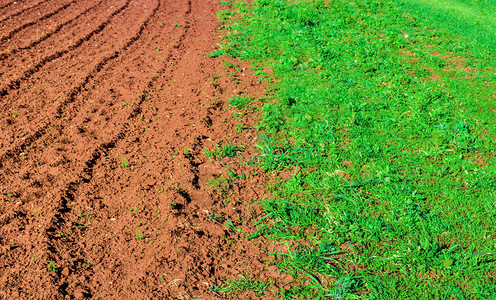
x,y
106,108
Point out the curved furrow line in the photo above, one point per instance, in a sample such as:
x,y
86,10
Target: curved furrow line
x,y
72,95
6,5
105,61
137,37
56,217
67,194
57,29
15,84
180,42
85,176
23,10
31,23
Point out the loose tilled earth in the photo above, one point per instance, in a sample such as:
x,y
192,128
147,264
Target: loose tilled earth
x,y
106,110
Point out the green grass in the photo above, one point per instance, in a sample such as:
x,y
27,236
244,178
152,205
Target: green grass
x,y
241,284
383,111
223,150
239,102
474,20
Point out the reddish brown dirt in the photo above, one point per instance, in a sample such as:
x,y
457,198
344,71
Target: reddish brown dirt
x,y
107,107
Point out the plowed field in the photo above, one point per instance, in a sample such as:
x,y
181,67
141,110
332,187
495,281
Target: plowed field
x,y
106,109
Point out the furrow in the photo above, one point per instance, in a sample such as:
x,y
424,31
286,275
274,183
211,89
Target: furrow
x,y
71,96
32,189
55,30
31,23
88,166
104,148
104,62
6,5
22,10
15,84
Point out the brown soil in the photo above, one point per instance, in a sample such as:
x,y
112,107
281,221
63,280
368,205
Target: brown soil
x,y
106,109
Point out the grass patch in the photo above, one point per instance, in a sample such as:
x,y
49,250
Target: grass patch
x,y
473,20
223,150
239,102
386,115
234,287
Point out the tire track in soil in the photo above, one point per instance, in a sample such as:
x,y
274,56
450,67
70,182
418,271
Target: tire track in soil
x,y
29,43
14,84
31,23
21,8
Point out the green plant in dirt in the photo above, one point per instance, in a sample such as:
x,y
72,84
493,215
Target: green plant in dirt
x,y
87,215
230,224
134,209
239,102
222,184
146,94
235,286
86,263
228,3
223,150
231,66
216,218
124,162
234,175
51,266
233,77
173,156
83,226
138,235
215,53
